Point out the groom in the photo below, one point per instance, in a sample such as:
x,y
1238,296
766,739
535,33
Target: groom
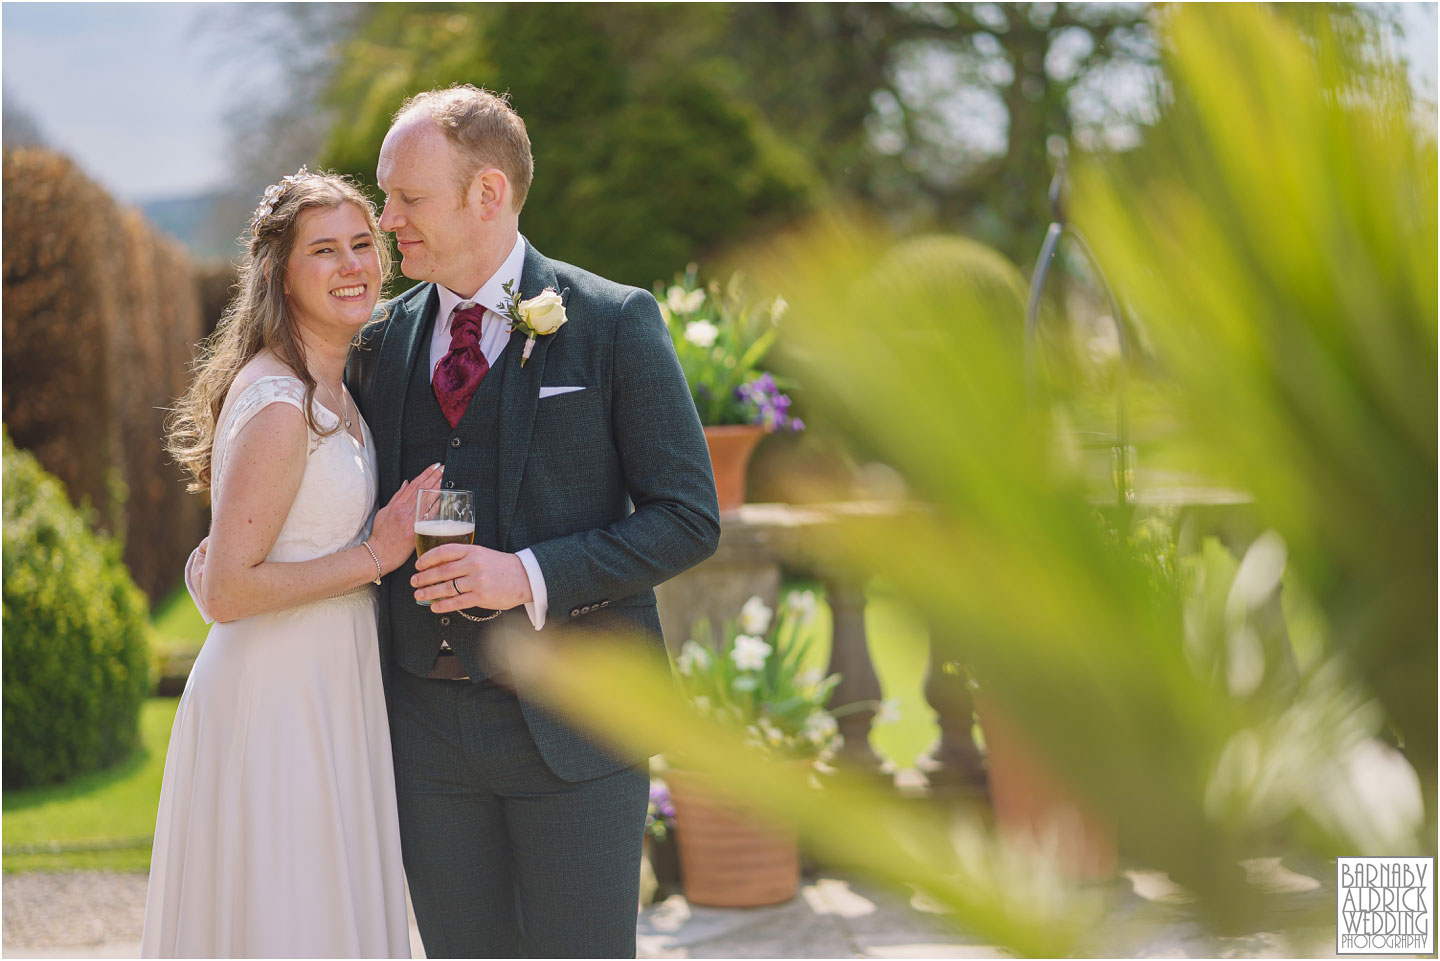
x,y
520,836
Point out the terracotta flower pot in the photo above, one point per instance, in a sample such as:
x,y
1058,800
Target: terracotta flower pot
x,y
729,858
1032,804
730,450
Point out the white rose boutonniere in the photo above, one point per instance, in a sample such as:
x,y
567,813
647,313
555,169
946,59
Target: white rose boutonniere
x,y
539,316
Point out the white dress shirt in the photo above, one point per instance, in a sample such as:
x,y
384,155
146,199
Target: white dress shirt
x,y
494,336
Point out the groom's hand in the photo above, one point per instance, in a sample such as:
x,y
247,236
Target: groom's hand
x,y
490,579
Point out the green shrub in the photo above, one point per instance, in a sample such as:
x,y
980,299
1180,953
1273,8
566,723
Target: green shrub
x,y
75,645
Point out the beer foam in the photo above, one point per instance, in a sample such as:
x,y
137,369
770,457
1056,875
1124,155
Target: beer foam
x,y
445,528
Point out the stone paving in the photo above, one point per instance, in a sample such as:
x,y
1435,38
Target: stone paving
x,y
99,915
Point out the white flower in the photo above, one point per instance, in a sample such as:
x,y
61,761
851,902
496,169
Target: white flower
x,y
702,703
749,652
701,333
778,307
801,604
773,735
545,312
820,727
811,677
692,657
755,616
889,711
681,302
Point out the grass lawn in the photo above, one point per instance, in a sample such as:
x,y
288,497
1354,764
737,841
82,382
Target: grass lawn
x,y
104,819
177,626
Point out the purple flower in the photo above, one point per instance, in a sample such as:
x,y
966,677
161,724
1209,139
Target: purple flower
x,y
767,407
660,797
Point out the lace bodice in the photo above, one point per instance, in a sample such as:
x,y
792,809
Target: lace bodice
x,y
336,499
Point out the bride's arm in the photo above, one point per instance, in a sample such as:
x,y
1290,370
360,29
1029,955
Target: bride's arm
x,y
263,468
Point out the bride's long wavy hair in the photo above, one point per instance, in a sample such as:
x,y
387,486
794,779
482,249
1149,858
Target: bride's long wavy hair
x,y
259,316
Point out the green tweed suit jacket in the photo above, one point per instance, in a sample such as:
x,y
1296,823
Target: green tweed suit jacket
x,y
609,486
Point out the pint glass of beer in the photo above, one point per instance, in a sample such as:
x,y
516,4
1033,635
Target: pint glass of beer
x,y
443,517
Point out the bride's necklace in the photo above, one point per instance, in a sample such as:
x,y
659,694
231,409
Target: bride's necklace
x,y
338,402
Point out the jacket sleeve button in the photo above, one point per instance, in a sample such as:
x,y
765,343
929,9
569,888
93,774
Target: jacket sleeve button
x,y
575,612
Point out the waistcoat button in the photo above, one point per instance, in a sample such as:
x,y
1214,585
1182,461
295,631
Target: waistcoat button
x,y
454,442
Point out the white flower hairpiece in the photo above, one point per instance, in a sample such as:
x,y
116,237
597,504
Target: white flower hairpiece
x,y
272,193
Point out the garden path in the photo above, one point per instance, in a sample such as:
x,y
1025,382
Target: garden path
x,y
99,915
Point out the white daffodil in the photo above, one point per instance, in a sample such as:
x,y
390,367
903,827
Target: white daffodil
x,y
681,301
755,616
773,735
693,657
889,711
820,727
749,653
701,333
802,605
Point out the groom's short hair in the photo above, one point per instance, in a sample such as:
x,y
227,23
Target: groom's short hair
x,y
486,129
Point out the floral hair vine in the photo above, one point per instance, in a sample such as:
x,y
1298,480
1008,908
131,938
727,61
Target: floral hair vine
x,y
271,197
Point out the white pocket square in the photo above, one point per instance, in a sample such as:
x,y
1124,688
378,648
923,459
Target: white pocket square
x,y
552,391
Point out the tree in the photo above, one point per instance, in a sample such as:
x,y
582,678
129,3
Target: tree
x,y
708,123
948,115
642,161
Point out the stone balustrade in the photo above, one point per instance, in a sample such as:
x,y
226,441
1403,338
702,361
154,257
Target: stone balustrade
x,y
761,543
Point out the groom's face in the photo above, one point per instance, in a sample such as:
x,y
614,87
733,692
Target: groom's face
x,y
437,226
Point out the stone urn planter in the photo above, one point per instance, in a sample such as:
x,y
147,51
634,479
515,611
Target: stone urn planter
x,y
1033,805
731,446
730,858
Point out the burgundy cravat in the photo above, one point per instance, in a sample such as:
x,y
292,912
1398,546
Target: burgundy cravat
x,y
460,371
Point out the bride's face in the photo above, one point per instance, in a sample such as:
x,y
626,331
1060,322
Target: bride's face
x,y
333,277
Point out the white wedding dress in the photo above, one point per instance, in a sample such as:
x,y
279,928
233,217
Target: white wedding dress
x,y
277,833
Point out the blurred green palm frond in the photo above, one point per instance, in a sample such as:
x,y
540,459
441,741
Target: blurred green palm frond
x,y
1278,238
1275,238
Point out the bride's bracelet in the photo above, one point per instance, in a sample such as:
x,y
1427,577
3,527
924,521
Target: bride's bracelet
x,y
374,557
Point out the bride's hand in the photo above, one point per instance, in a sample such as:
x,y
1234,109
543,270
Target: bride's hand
x,y
195,571
392,536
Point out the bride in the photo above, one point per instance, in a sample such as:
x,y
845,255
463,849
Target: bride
x,y
277,831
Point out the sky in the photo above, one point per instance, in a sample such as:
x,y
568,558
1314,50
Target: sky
x,y
137,93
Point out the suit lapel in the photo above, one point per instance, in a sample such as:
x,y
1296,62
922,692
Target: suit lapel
x,y
520,393
392,379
